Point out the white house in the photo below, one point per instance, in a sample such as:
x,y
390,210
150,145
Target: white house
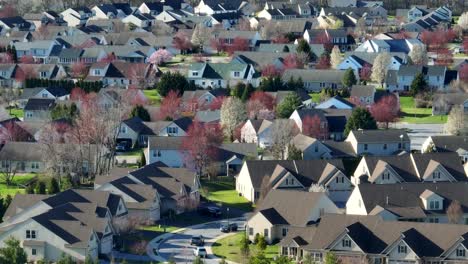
x,y
76,16
257,131
140,20
379,142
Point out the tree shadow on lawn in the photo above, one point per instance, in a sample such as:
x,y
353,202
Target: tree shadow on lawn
x,y
415,115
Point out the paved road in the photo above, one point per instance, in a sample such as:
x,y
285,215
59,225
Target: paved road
x,y
419,132
178,246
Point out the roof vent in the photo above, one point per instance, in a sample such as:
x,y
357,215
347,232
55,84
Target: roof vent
x,y
386,200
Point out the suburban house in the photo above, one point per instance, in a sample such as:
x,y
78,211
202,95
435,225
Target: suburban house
x,y
221,75
136,131
56,93
336,102
210,7
413,167
40,50
379,142
278,211
457,144
336,37
316,80
437,77
7,75
358,239
365,60
76,16
140,20
153,190
192,100
259,131
442,103
227,37
423,202
293,174
305,117
388,45
33,157
116,74
364,95
15,23
427,21
111,11
74,222
38,109
169,150
311,148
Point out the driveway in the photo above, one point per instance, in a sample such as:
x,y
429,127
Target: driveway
x,y
418,133
177,246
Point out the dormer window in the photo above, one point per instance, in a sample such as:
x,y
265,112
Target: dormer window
x,y
436,175
434,205
97,72
461,252
194,73
402,249
236,74
386,176
346,243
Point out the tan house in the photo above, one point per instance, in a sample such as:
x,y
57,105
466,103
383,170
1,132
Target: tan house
x,y
379,142
280,210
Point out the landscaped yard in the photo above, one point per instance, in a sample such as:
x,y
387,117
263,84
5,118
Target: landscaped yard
x,y
229,248
18,112
411,114
223,190
315,97
153,96
17,186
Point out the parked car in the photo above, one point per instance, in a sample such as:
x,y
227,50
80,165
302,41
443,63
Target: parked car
x,y
122,146
200,252
226,228
197,241
213,211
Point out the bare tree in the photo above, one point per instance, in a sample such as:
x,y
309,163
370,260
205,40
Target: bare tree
x,y
232,113
9,96
457,122
281,134
8,171
454,212
380,66
463,21
418,55
335,57
200,37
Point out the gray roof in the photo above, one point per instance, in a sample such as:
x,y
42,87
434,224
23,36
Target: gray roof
x,y
315,75
362,91
450,143
374,136
208,116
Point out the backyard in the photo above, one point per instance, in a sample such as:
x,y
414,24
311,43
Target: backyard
x,y
17,185
16,112
414,115
229,248
153,96
223,190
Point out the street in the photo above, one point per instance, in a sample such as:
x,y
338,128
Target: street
x,y
420,132
178,247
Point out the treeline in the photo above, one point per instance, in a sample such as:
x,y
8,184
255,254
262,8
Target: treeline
x,y
68,85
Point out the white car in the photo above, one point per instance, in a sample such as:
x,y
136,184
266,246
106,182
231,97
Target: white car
x,y
200,252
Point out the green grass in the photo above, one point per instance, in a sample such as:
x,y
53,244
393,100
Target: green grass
x,y
160,228
17,112
414,115
133,152
223,191
315,97
17,185
229,248
153,96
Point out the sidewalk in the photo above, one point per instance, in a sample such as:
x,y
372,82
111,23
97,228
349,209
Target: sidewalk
x,y
153,246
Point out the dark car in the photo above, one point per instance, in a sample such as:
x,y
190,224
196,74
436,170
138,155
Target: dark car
x,y
197,241
226,228
122,146
213,211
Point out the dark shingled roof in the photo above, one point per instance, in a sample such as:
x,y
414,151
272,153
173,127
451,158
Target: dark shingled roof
x,y
35,104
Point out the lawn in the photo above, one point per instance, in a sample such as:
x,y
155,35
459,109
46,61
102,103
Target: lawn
x,y
160,228
229,248
153,96
16,186
315,97
413,115
18,112
223,191
133,152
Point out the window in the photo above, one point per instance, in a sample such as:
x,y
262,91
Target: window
x,y
399,145
316,148
386,176
33,252
339,179
292,181
172,130
434,220
35,165
250,231
321,211
265,232
97,72
28,233
436,175
434,205
287,181
384,146
461,252
156,153
236,74
346,243
43,74
31,234
366,146
285,231
194,73
123,129
44,95
29,114
402,249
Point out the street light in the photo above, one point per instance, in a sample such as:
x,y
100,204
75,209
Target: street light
x,y
227,216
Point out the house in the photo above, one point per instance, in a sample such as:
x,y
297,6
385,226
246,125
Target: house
x,y
113,97
277,13
350,15
316,80
153,190
116,73
303,95
210,7
296,27
372,239
411,167
152,8
336,102
140,20
136,131
457,144
379,142
40,50
260,59
365,60
293,174
335,37
220,75
363,94
192,100
311,148
438,17
111,11
15,23
75,222
212,117
278,211
435,76
76,16
38,109
227,37
423,202
56,93
304,117
33,157
259,131
442,103
341,3
388,45
170,151
7,75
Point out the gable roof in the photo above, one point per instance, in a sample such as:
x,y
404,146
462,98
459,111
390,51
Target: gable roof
x,y
373,136
450,143
36,104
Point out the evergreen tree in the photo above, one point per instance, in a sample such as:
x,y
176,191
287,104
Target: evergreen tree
x,y
142,160
66,183
238,90
140,112
41,188
285,48
172,81
360,118
418,84
244,246
303,47
13,54
349,79
12,252
53,186
261,244
294,153
290,103
245,94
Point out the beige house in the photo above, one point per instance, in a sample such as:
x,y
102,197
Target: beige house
x,y
74,222
279,211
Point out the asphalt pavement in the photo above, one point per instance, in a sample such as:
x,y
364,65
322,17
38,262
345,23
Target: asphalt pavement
x,y
418,133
